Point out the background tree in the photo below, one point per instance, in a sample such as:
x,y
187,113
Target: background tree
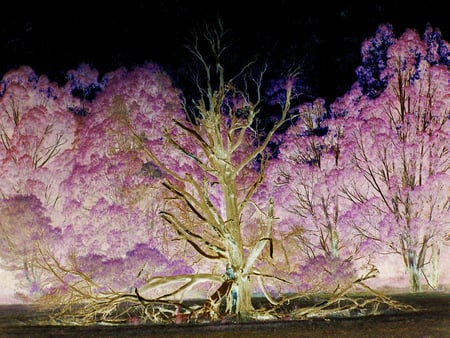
x,y
401,150
308,179
116,226
37,134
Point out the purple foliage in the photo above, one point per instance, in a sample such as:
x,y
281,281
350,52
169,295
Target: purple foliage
x,y
275,90
23,223
374,61
371,76
24,75
84,82
25,230
131,271
324,273
438,50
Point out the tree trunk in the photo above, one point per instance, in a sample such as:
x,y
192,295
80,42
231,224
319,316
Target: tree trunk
x,y
244,296
414,280
434,270
414,273
241,290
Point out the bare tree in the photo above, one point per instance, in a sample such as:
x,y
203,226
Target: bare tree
x,y
222,146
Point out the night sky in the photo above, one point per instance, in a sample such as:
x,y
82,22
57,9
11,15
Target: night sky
x,y
325,37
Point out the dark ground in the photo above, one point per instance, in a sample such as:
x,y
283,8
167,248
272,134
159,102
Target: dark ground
x,y
432,319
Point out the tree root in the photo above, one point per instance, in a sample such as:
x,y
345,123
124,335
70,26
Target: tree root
x,y
80,305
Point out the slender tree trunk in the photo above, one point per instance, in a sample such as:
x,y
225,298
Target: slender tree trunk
x,y
334,239
433,278
414,272
414,279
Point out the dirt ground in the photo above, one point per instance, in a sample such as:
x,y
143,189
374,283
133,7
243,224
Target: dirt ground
x,y
432,319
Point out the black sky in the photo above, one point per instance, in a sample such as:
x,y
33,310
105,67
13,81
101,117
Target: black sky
x,y
327,36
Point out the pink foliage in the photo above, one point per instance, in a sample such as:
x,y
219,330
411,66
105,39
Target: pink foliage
x,y
307,182
37,134
113,195
401,150
378,175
